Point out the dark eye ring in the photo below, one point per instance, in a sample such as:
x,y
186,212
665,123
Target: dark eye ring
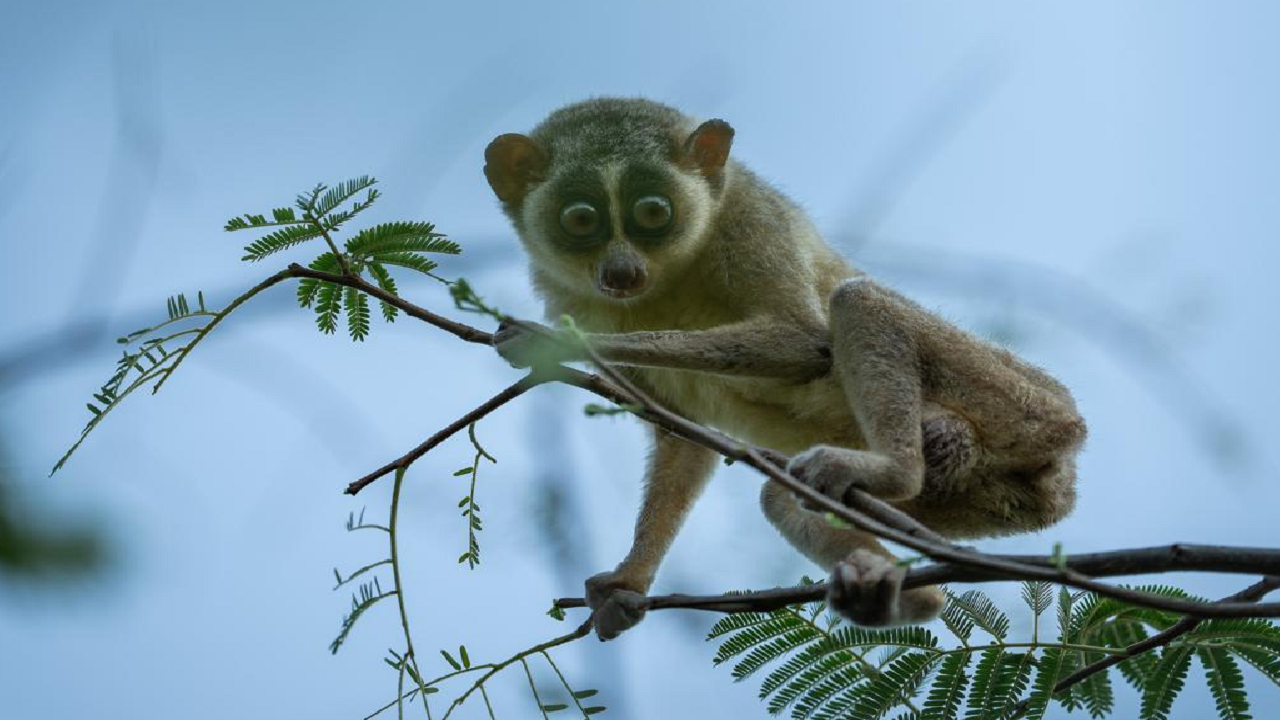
x,y
652,213
580,219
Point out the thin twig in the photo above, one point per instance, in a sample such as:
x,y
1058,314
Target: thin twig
x,y
537,699
484,695
572,695
577,634
333,247
218,318
409,655
510,393
473,508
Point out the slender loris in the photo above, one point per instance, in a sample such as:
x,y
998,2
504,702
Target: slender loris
x,y
718,296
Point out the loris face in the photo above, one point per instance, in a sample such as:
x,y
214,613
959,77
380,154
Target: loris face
x,y
618,230
611,205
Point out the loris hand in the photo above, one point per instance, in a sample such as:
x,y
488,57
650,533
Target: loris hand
x,y
618,602
526,344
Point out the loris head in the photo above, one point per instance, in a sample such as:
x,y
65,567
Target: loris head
x,y
611,197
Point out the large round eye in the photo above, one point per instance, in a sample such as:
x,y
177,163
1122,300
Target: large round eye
x,y
651,213
580,219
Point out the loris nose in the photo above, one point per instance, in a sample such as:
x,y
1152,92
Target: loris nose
x,y
624,274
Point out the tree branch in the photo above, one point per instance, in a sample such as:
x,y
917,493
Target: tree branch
x,y
1135,561
461,330
863,512
510,393
887,522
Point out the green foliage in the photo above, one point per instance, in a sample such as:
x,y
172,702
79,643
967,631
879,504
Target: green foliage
x,y
982,613
279,240
405,244
1226,682
983,692
1055,664
827,673
322,205
369,594
949,687
1038,596
150,357
341,283
157,351
465,298
823,670
1170,677
400,237
892,687
459,664
597,410
470,508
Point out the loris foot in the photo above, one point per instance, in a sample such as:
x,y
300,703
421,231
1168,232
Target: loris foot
x,y
618,607
867,589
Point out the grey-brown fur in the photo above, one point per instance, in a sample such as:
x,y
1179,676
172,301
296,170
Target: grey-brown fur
x,y
740,311
604,129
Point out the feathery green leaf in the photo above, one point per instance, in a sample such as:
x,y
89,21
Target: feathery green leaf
x,y
747,638
1263,661
1038,595
1226,683
1167,681
984,692
901,680
764,653
957,620
388,283
947,693
730,624
328,305
1095,691
357,307
308,288
794,679
811,706
1055,665
370,594
340,193
982,612
280,240
1257,632
408,261
399,237
279,216
150,362
1138,669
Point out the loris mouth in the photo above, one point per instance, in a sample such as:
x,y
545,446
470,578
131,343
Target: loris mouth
x,y
620,293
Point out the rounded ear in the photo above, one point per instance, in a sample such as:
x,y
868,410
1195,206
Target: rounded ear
x,y
707,148
513,163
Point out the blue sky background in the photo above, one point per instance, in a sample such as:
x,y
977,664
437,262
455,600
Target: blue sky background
x,y
1092,182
